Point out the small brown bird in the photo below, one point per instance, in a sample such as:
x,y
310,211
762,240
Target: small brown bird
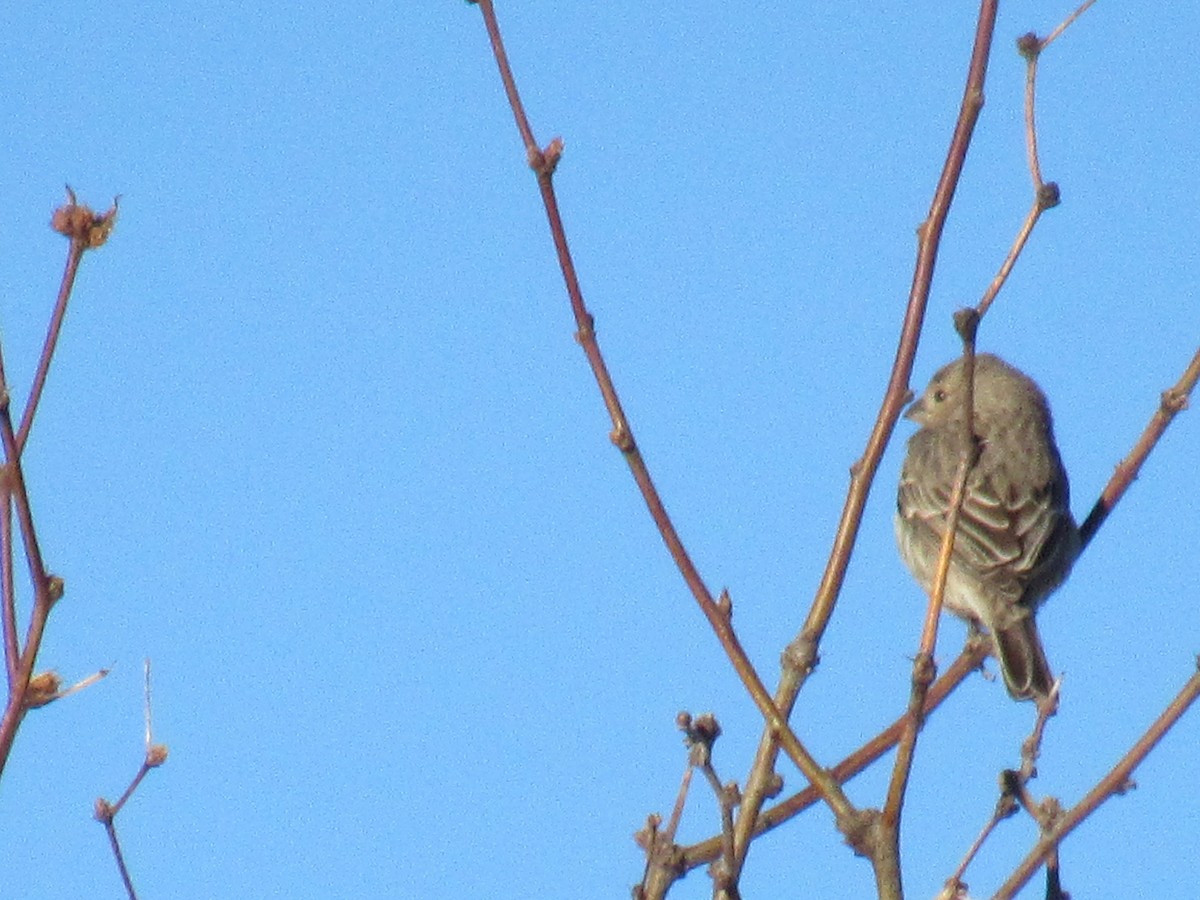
x,y
1016,539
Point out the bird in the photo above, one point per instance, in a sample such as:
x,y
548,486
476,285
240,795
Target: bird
x,y
1016,539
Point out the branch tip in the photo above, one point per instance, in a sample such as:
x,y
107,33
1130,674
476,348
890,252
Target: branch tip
x,y
85,227
1029,45
966,323
644,836
103,811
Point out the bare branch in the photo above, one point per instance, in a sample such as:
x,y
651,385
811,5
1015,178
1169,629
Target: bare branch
x,y
897,393
971,658
1117,781
86,230
1173,401
106,813
544,163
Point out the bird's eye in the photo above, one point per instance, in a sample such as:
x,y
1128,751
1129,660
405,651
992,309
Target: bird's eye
x,y
939,396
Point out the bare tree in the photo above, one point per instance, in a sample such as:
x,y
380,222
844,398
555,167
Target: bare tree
x,y
752,807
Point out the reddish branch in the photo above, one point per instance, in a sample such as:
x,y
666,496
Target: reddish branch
x,y
543,163
86,230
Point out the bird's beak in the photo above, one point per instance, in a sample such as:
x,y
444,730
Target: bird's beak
x,y
916,410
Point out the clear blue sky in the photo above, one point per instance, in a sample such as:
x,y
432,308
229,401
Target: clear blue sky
x,y
320,443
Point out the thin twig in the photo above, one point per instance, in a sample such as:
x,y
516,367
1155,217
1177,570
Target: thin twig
x,y
967,323
923,666
702,733
74,255
106,813
1045,194
1043,200
46,589
1066,23
86,230
1030,47
685,784
801,656
8,592
146,711
1005,807
111,829
1173,401
971,658
662,861
1014,793
544,162
1117,781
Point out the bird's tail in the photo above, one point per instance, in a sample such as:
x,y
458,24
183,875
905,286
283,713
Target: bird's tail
x,y
1022,660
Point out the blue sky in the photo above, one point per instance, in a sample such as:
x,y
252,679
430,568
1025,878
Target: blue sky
x,y
319,441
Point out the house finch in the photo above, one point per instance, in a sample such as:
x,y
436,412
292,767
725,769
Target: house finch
x,y
1016,539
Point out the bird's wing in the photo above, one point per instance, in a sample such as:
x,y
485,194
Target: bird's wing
x,y
1004,530
1011,533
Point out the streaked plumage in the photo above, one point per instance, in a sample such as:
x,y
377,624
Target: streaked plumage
x,y
1016,538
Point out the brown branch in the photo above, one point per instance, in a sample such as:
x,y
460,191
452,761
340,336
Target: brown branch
x,y
924,669
104,815
971,658
801,655
1005,807
1117,781
1014,793
544,162
1045,194
86,230
52,333
1066,23
702,734
685,784
47,589
1047,197
8,591
1031,47
888,844
1173,401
